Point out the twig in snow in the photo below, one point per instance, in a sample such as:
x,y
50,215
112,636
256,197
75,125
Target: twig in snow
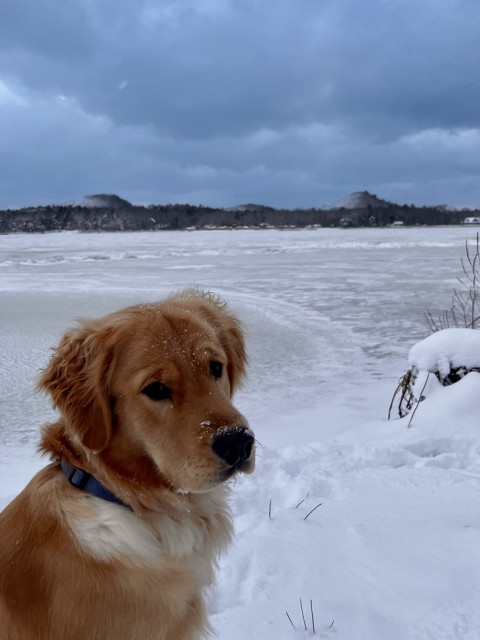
x,y
300,503
407,400
318,505
419,400
331,624
303,616
393,398
290,619
270,509
313,619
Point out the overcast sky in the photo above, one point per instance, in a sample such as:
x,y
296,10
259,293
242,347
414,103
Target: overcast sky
x,y
290,103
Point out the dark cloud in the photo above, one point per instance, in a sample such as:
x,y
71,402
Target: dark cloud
x,y
216,101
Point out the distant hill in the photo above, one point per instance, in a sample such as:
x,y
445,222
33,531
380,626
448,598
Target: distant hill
x,y
109,212
250,207
363,200
105,201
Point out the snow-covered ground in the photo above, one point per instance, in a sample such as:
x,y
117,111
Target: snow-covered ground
x,y
393,551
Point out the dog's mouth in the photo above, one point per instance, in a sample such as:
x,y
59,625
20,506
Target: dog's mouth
x,y
231,452
225,471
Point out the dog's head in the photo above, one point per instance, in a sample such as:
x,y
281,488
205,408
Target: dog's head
x,y
148,390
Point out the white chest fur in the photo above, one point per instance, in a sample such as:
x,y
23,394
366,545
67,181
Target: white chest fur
x,y
196,534
109,530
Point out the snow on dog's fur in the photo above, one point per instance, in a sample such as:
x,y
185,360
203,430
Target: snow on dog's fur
x,y
144,397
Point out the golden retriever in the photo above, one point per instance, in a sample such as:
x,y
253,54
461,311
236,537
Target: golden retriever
x,y
117,538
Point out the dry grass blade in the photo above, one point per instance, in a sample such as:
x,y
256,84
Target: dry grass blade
x,y
318,505
290,619
303,616
313,619
270,509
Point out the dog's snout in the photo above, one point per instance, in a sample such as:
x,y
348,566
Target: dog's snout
x,y
234,446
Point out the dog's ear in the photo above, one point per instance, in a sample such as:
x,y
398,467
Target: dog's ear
x,y
232,337
77,378
230,330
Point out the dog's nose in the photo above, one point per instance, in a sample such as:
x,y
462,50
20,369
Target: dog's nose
x,y
234,446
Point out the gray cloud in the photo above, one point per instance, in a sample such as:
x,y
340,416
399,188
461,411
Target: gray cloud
x,y
220,102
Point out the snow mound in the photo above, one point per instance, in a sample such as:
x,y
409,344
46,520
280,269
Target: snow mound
x,y
393,506
367,526
446,350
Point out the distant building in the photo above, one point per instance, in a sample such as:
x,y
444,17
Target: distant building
x,y
474,220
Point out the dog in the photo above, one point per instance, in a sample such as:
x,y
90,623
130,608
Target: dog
x,y
118,538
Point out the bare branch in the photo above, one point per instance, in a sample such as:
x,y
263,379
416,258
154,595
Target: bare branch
x,y
419,400
465,306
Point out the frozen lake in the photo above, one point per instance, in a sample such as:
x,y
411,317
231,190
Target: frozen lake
x,y
328,311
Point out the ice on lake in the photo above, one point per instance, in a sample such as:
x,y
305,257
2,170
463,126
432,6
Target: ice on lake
x,y
327,310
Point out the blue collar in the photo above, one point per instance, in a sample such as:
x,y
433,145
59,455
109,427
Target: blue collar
x,y
80,479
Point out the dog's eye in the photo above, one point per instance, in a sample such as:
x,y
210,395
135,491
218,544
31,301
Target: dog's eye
x,y
216,369
157,391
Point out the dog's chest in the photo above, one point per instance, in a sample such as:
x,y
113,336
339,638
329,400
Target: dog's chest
x,y
112,532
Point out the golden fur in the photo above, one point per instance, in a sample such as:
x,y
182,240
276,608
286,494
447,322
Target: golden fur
x,y
74,566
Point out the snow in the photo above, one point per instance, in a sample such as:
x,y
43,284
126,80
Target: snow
x,y
393,550
443,350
